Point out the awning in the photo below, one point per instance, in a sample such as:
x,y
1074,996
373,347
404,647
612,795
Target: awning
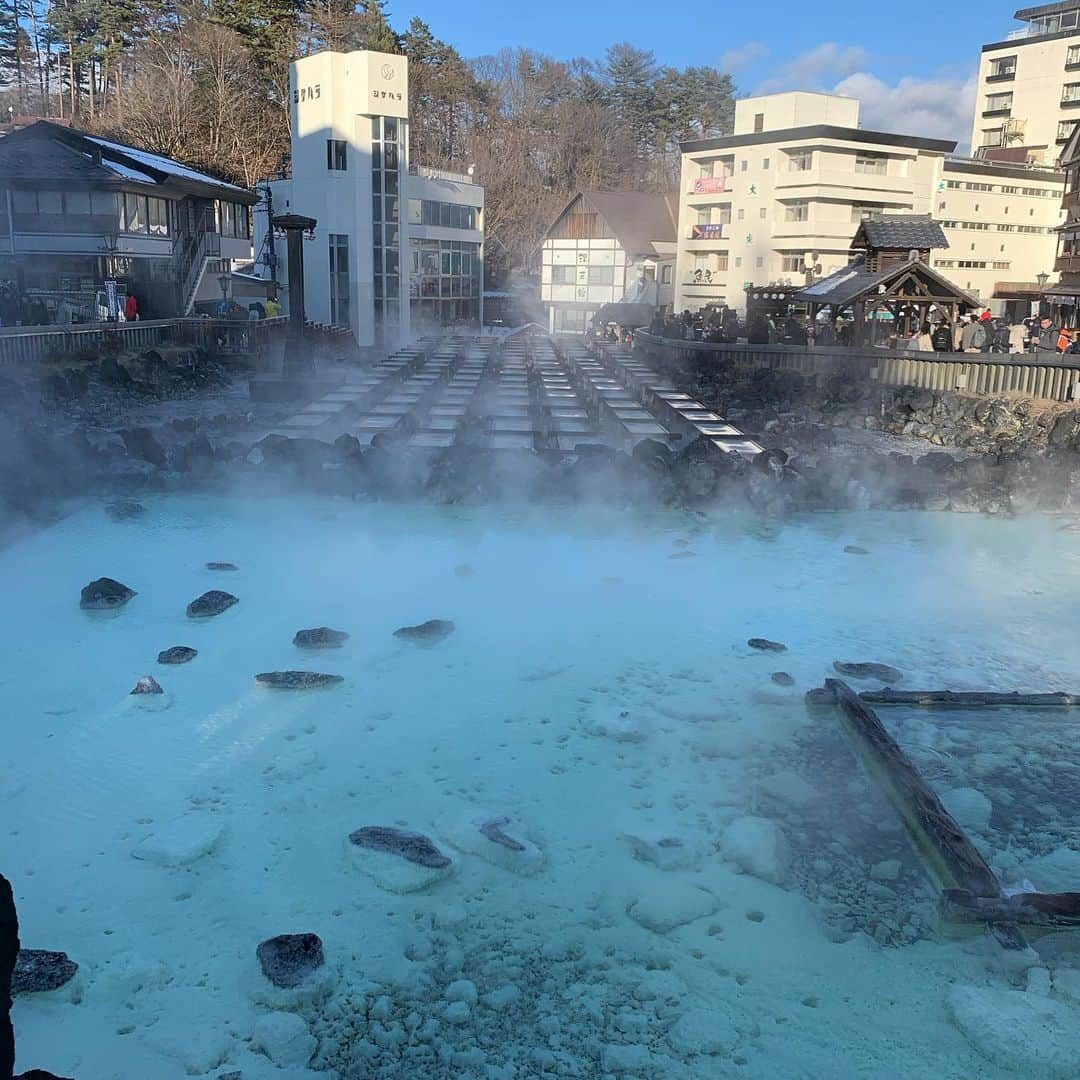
x,y
1017,290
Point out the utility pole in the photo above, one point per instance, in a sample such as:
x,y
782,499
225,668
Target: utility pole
x,y
271,255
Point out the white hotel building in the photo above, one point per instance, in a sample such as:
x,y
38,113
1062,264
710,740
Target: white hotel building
x,y
784,194
395,244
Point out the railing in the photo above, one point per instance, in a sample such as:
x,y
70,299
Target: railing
x,y
1067,264
27,344
1056,378
430,173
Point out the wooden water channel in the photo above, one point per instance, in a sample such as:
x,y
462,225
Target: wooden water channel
x,y
970,890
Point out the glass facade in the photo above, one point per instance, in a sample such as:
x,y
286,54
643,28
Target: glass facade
x,y
387,152
445,215
445,279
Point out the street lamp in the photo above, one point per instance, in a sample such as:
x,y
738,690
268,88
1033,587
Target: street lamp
x,y
1042,279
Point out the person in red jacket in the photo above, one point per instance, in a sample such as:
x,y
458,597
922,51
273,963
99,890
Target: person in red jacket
x,y
131,308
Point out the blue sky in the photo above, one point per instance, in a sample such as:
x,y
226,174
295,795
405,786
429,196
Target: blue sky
x,y
913,70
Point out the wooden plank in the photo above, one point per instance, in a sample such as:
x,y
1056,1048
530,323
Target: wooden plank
x,y
1047,910
951,858
973,699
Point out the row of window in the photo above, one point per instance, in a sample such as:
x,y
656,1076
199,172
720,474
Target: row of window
x,y
446,268
1005,189
445,215
801,160
63,202
1003,68
970,264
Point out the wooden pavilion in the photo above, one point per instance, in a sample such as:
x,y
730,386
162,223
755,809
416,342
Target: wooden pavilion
x,y
889,286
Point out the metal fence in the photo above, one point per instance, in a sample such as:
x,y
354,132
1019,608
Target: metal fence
x,y
1055,378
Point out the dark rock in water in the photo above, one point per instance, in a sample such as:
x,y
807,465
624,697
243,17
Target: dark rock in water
x,y
221,566
464,570
141,443
782,678
765,645
493,831
210,603
38,970
430,632
125,510
820,695
882,672
683,555
290,959
41,1074
297,680
652,454
414,847
854,549
105,593
321,637
178,654
148,685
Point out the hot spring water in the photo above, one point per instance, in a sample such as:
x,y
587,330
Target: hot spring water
x,y
698,881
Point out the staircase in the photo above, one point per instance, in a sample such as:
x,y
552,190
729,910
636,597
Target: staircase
x,y
191,256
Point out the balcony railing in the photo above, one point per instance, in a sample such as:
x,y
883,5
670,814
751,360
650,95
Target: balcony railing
x,y
1067,264
429,173
1002,76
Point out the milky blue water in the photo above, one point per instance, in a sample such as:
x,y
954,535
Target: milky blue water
x,y
634,939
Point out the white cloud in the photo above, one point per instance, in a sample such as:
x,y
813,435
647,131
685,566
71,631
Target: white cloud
x,y
735,60
934,108
817,68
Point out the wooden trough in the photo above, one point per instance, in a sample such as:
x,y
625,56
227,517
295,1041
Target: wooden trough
x,y
971,892
964,699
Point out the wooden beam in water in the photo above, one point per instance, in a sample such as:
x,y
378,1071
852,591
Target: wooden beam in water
x,y
969,699
950,857
1049,911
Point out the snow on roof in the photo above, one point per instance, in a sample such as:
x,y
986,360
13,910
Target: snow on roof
x,y
162,164
125,171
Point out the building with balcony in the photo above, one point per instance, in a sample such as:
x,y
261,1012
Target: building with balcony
x,y
1064,297
78,211
394,242
779,201
1029,87
609,254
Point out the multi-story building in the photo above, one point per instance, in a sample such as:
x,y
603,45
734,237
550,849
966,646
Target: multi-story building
x,y
608,253
782,197
391,239
1064,297
78,212
1029,86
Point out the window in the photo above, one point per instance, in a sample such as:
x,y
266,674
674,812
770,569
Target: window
x,y
1002,265
978,187
874,164
1072,57
763,212
339,278
743,166
1070,94
865,211
797,211
738,261
335,155
158,216
800,160
599,275
133,213
1065,129
791,264
742,215
722,215
24,202
665,274
1003,68
103,202
759,122
706,170
760,261
998,103
990,137
50,202
765,162
76,202
1006,228
563,275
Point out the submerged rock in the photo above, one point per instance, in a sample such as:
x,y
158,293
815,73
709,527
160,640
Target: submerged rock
x,y
180,842
414,847
496,837
492,830
765,645
285,1039
297,680
426,633
211,603
289,959
757,846
125,510
148,685
221,566
464,570
854,549
881,672
782,678
177,654
105,593
613,722
39,970
321,637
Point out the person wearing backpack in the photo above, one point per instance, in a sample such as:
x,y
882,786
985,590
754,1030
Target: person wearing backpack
x,y
942,338
973,338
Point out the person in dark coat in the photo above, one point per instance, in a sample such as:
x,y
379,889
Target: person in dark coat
x,y
942,337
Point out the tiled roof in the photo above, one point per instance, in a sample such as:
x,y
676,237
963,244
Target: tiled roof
x,y
900,232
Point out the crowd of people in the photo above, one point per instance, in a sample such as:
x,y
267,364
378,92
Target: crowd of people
x,y
971,333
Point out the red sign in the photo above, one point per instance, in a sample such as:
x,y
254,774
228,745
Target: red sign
x,y
710,185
